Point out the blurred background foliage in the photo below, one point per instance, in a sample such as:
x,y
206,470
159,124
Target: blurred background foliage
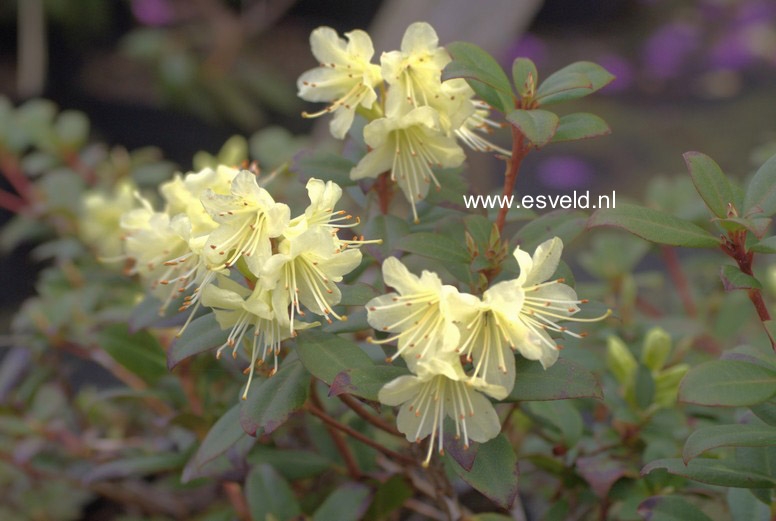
x,y
182,84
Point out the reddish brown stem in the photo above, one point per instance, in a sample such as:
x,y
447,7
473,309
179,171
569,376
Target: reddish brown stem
x,y
680,281
10,169
11,202
371,418
384,192
234,493
401,458
339,441
510,177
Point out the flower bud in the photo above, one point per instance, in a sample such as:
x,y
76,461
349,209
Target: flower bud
x,y
619,360
667,384
657,346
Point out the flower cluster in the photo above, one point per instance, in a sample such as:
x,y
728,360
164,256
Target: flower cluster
x,y
225,243
416,122
461,347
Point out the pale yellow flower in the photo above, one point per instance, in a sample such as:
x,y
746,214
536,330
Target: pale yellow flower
x,y
345,78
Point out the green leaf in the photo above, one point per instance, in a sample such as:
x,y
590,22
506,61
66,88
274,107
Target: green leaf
x,y
72,128
524,76
480,228
733,278
490,516
481,71
767,245
644,390
356,294
326,355
389,497
712,472
557,85
140,352
562,381
271,402
538,126
670,508
728,383
761,192
269,496
714,436
654,226
347,503
494,473
711,183
136,466
580,125
390,229
745,507
434,246
563,416
565,224
291,463
222,436
766,411
324,165
365,382
202,334
594,73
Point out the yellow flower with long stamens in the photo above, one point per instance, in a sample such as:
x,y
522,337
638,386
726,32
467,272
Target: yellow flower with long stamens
x,y
414,74
239,309
346,78
470,132
304,272
184,192
440,389
408,142
545,302
247,219
417,315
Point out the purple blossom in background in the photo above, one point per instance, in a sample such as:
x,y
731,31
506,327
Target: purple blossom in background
x,y
528,46
666,51
565,172
732,52
622,70
756,12
153,12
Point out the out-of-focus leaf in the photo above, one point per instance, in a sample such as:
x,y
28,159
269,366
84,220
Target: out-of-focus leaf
x,y
224,434
139,352
601,472
494,473
390,229
670,508
326,355
728,383
745,507
644,389
767,245
202,334
563,416
715,436
562,381
357,294
388,498
347,503
272,401
269,496
291,463
136,466
654,226
565,224
433,246
713,472
325,166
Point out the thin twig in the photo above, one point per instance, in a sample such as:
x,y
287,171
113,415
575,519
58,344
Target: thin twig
x,y
360,437
336,437
679,279
371,418
234,493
